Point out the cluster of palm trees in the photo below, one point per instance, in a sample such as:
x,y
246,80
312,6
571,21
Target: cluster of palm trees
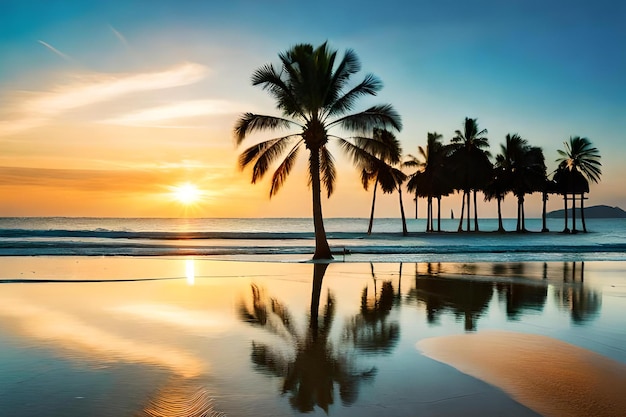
x,y
312,91
464,165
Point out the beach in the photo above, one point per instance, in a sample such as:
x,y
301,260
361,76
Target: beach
x,y
132,335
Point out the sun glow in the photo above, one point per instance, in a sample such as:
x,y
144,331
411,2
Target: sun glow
x,y
187,193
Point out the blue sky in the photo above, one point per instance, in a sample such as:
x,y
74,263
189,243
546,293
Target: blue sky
x,y
544,69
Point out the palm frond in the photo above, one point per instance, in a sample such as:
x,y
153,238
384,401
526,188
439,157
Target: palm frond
x,y
366,178
271,81
348,66
263,154
382,116
329,172
360,157
387,178
283,170
250,122
369,86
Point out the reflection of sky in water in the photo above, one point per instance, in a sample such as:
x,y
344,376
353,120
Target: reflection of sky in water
x,y
191,327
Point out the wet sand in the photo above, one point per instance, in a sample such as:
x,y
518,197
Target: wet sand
x,y
551,377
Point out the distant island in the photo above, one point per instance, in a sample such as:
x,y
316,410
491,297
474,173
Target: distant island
x,y
594,212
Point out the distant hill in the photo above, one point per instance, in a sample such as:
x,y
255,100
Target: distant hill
x,y
594,212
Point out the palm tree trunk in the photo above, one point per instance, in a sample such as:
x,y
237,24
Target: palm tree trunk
x,y
523,215
544,215
429,226
404,229
439,213
518,227
322,250
475,213
566,229
469,214
574,213
500,225
582,211
369,228
415,205
460,229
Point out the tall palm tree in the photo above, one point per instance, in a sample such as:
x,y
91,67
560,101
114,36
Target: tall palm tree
x,y
381,168
581,162
498,188
470,159
312,92
429,179
413,162
524,169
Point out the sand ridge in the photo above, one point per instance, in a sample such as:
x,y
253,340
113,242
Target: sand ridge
x,y
549,376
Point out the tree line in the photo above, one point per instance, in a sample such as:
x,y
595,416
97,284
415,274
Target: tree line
x,y
313,92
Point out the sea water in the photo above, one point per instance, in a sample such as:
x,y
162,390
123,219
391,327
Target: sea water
x,y
165,327
285,239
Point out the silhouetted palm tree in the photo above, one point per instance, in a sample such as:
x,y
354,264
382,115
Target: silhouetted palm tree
x,y
387,152
579,163
430,179
525,171
497,188
470,159
313,96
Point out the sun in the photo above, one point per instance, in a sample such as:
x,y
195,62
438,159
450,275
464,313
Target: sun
x,y
187,193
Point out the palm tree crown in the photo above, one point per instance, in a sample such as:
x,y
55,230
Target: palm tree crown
x,y
581,155
311,90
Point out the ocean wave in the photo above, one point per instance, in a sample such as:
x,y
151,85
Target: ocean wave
x,y
53,247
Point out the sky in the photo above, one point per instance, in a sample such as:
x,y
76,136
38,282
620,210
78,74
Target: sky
x,y
107,106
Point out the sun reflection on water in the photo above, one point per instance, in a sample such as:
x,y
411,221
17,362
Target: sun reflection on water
x,y
190,271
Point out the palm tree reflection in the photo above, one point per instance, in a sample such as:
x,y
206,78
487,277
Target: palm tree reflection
x,y
311,371
583,302
369,330
468,299
520,297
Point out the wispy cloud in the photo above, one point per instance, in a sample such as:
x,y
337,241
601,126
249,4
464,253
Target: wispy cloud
x,y
176,111
118,35
84,179
55,50
97,88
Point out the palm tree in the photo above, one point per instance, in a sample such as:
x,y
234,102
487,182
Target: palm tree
x,y
524,169
580,162
380,169
413,162
470,159
313,96
428,181
498,188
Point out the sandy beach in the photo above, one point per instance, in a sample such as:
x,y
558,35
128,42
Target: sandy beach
x,y
78,334
554,378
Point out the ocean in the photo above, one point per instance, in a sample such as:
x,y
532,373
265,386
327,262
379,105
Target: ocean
x,y
106,317
291,239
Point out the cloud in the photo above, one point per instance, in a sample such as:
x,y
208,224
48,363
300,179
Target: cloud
x,y
56,51
176,111
42,107
82,179
118,35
